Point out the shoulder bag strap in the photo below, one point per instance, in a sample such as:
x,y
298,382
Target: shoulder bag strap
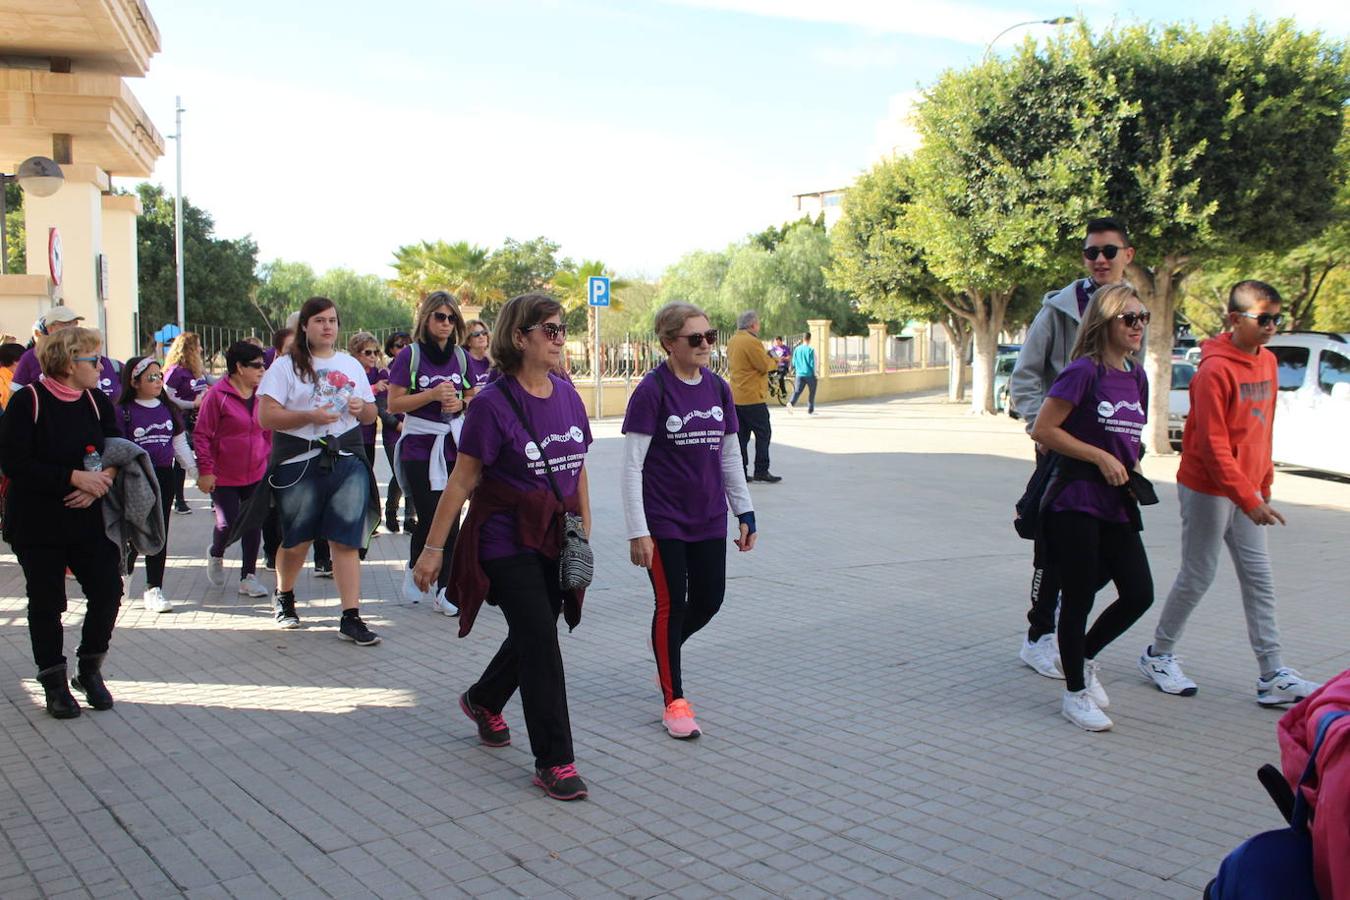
x,y
506,382
413,359
1300,818
462,361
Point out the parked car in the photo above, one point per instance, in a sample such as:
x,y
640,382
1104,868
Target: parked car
x,y
1312,412
1003,369
1179,401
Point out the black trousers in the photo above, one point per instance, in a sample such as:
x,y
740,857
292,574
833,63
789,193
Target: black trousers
x,y
154,565
395,492
271,535
526,590
1044,582
1088,551
754,419
95,566
689,580
418,475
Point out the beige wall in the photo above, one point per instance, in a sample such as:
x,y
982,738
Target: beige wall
x,y
22,299
77,211
119,246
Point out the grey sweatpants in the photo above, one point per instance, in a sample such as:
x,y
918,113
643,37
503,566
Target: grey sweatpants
x,y
1208,522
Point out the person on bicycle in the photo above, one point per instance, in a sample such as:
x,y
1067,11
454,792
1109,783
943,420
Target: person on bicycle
x,y
782,356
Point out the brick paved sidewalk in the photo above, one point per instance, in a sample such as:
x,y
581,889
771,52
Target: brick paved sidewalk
x,y
869,730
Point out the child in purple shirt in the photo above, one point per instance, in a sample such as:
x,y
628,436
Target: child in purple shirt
x,y
682,464
1093,417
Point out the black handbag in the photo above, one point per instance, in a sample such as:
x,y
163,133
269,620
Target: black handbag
x,y
576,561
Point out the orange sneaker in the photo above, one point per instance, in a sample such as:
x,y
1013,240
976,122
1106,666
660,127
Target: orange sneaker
x,y
679,720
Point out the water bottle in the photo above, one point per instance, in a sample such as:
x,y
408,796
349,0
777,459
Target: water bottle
x,y
93,462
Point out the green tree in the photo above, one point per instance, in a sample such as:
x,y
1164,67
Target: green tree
x,y
460,268
518,267
218,273
364,301
697,278
283,287
15,233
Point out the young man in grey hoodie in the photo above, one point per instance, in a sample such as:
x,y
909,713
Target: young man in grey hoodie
x,y
1044,354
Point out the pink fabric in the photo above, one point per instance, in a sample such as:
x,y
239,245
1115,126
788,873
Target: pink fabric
x,y
61,391
229,441
1329,798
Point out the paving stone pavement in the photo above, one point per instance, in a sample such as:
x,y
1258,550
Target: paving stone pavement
x,y
869,730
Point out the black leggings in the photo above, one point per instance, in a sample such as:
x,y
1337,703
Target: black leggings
x,y
94,564
154,565
395,491
525,588
418,475
690,580
1087,551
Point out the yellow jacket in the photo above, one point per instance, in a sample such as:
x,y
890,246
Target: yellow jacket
x,y
749,364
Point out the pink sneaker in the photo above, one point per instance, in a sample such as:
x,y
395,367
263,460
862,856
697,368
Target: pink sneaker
x,y
561,782
679,720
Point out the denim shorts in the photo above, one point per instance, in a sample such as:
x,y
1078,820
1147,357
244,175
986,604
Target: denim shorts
x,y
331,505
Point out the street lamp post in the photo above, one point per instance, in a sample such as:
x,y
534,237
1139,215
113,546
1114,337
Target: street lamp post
x,y
37,175
1058,20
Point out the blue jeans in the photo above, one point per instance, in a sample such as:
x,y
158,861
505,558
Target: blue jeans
x,y
806,381
316,504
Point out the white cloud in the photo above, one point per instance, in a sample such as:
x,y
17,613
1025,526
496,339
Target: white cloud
x,y
895,133
966,23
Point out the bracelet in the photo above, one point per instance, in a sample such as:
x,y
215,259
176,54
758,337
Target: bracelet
x,y
433,549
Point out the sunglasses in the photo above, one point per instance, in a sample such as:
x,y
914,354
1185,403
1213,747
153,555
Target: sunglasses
x,y
551,331
697,339
1107,250
399,345
158,376
1264,319
370,353
88,359
443,317
1133,319
478,334
256,364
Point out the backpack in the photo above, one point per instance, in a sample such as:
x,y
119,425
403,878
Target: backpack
x,y
1276,863
461,360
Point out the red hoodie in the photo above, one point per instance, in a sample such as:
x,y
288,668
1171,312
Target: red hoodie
x,y
1225,450
1329,797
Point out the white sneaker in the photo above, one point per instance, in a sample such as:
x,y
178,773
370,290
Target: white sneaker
x,y
1285,686
444,606
154,601
250,586
1164,670
1079,709
1043,656
411,592
215,569
1091,668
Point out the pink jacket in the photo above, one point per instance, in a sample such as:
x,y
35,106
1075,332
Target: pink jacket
x,y
1329,800
230,442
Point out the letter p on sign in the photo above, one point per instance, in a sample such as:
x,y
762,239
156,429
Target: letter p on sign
x,y
597,290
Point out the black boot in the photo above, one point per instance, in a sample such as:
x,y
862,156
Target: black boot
x,y
90,680
60,701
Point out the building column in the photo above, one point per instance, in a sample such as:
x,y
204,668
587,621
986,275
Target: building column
x,y
76,210
920,345
820,339
122,292
876,345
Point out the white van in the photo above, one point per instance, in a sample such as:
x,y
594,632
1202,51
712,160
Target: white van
x,y
1312,413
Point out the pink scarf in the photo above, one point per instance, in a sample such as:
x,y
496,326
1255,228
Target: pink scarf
x,y
60,391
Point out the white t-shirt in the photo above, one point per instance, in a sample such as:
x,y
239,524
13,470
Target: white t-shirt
x,y
337,378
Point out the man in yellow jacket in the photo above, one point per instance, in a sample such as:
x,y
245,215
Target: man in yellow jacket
x,y
750,364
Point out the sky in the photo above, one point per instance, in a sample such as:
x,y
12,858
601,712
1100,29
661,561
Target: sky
x,y
628,132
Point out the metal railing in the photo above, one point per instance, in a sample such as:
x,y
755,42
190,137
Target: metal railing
x,y
216,339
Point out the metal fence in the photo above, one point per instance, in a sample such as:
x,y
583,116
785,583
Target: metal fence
x,y
632,357
216,339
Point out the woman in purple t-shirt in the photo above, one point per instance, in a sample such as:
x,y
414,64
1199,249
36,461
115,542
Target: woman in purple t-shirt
x,y
523,447
391,426
185,385
148,420
682,466
428,382
1093,417
476,342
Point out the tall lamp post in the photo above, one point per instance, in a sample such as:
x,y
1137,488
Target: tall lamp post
x,y
37,175
1058,20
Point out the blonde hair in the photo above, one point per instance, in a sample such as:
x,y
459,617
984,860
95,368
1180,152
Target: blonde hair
x,y
186,351
518,314
670,320
358,342
434,301
58,352
1094,332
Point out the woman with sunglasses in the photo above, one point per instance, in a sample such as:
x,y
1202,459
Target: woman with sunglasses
x,y
148,420
54,511
1093,418
526,436
480,364
681,469
232,448
428,382
391,426
185,384
366,350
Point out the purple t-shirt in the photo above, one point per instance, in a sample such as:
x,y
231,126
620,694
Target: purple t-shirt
x,y
373,375
185,387
478,371
29,371
493,433
269,357
417,447
151,427
1113,419
683,493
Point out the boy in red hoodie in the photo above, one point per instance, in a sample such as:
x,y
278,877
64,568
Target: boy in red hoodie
x,y
1224,488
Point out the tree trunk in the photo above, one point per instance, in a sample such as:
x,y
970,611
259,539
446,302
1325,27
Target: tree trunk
x,y
986,325
958,341
1158,290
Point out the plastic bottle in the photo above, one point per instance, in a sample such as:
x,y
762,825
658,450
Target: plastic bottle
x,y
93,462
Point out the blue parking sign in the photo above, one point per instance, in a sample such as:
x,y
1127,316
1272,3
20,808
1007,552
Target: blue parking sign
x,y
597,290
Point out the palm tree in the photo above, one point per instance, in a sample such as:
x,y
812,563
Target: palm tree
x,y
461,268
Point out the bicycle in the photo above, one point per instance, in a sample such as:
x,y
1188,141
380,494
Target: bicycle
x,y
781,385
